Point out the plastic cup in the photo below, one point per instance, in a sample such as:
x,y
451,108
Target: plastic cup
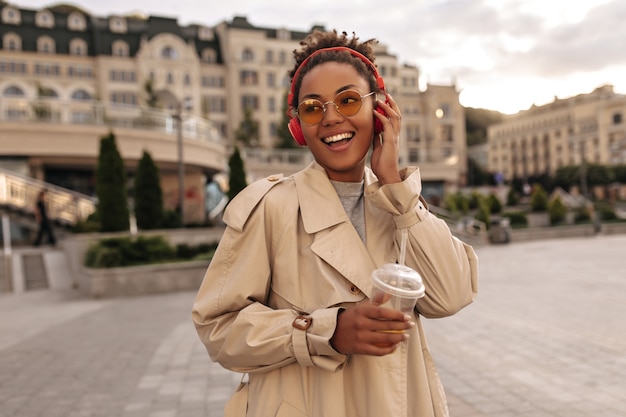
x,y
397,287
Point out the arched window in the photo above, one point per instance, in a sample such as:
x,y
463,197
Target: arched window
x,y
12,42
44,19
120,48
78,47
117,24
169,53
76,21
45,44
81,95
13,91
10,15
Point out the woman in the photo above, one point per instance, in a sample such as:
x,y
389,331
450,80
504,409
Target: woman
x,y
286,297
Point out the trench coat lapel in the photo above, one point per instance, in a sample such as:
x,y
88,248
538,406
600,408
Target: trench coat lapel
x,y
335,239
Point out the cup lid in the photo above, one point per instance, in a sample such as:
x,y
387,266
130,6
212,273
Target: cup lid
x,y
399,280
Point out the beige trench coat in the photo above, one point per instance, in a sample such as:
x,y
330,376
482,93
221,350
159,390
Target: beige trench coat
x,y
290,250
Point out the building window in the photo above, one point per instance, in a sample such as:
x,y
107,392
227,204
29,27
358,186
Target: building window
x,y
12,67
170,78
212,81
271,79
248,77
129,99
209,56
81,95
122,76
282,57
271,104
120,48
45,45
247,55
78,71
78,47
269,56
169,53
215,104
11,15
249,102
44,19
13,91
617,118
76,21
445,132
187,79
117,24
205,33
50,70
12,42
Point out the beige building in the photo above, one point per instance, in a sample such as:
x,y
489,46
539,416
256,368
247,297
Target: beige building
x,y
542,139
68,77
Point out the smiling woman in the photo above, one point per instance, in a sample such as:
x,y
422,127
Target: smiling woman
x,y
288,295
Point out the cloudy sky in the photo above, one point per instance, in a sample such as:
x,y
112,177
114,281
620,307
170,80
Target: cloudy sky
x,y
503,55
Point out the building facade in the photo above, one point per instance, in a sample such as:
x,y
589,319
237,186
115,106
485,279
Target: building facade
x,y
542,139
68,77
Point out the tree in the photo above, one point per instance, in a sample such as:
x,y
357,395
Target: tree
x,y
476,123
111,187
148,194
557,210
248,130
285,140
152,100
539,199
237,178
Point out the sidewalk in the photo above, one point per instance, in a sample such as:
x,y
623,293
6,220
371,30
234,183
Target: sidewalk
x,y
545,338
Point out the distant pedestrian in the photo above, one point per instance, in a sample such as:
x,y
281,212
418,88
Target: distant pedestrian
x,y
41,216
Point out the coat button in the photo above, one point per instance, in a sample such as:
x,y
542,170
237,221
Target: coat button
x,y
273,178
354,289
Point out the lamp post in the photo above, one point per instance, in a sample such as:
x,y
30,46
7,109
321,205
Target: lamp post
x,y
185,105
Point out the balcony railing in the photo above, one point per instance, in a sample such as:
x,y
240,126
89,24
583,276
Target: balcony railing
x,y
89,112
19,193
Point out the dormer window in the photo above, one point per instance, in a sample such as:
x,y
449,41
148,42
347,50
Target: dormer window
x,y
205,33
46,45
209,56
117,24
10,15
120,48
76,21
78,47
44,19
12,42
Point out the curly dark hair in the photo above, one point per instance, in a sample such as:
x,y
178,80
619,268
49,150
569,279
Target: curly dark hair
x,y
317,40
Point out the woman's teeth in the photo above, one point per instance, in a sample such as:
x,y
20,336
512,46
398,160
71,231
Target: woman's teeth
x,y
337,138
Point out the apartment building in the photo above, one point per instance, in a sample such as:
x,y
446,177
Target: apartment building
x,y
67,77
544,138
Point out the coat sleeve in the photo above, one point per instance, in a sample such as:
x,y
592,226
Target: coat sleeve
x,y
231,313
448,266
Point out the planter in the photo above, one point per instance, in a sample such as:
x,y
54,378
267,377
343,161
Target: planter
x,y
144,279
538,219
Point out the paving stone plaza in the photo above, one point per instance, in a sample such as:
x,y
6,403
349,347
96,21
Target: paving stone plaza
x,y
546,337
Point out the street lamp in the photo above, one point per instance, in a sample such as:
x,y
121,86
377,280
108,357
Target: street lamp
x,y
186,106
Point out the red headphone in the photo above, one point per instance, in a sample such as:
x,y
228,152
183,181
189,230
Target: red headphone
x,y
294,123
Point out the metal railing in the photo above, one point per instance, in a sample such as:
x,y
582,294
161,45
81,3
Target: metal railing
x,y
90,112
19,193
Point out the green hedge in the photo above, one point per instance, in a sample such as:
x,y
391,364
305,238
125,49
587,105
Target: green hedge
x,y
126,251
